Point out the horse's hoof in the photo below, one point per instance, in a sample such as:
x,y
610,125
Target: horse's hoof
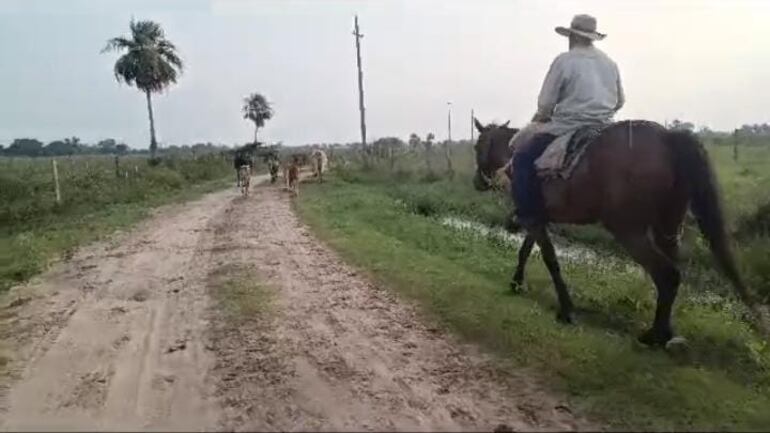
x,y
518,287
677,344
565,317
656,338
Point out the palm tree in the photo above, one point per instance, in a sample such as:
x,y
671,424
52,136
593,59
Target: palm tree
x,y
414,141
258,110
151,63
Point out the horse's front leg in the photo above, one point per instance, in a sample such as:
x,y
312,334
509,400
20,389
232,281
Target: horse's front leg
x,y
540,234
517,282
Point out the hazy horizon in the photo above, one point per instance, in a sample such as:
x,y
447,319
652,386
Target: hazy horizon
x,y
703,61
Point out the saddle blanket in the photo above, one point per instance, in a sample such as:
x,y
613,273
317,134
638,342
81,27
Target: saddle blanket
x,y
565,151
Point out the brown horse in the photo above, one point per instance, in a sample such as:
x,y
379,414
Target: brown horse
x,y
637,180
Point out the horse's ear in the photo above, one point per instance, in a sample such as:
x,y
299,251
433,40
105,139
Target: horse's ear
x,y
478,124
505,125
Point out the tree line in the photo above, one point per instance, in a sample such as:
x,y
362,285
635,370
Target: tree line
x,y
755,130
32,147
63,147
391,149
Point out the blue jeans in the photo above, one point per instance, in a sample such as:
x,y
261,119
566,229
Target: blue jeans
x,y
526,185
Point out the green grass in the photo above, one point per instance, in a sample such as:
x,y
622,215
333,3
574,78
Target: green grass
x,y
35,230
722,381
745,184
238,294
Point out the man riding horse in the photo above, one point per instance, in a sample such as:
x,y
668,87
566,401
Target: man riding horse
x,y
636,178
582,88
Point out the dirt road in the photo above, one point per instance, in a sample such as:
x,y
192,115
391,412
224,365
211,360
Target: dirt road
x,y
125,336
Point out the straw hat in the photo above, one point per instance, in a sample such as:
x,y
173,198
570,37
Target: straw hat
x,y
582,25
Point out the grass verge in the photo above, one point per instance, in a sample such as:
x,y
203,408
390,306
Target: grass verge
x,y
238,295
721,382
27,249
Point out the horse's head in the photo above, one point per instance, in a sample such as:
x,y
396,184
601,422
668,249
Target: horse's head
x,y
492,152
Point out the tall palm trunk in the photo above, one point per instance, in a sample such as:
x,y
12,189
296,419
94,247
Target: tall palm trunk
x,y
153,142
256,128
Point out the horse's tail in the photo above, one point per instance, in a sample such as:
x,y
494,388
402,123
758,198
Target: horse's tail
x,y
694,168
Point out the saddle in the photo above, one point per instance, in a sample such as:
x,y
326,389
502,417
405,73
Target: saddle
x,y
565,151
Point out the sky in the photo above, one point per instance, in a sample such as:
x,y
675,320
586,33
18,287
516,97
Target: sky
x,y
706,61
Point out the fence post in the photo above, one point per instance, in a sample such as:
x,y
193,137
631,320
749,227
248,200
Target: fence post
x,y
56,181
117,166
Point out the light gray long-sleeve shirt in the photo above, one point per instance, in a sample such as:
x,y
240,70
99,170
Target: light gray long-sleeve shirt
x,y
582,87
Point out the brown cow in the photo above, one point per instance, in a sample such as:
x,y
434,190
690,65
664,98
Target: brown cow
x,y
293,175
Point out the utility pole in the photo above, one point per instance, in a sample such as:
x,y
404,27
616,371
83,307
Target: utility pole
x,y
449,121
358,36
450,170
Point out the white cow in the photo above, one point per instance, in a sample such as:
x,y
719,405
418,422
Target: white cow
x,y
320,163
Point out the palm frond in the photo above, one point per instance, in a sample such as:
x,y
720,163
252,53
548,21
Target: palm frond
x,y
118,44
165,44
170,56
126,69
146,32
257,109
151,62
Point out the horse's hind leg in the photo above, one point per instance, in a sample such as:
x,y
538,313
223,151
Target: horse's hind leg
x,y
666,277
668,242
540,235
517,282
668,228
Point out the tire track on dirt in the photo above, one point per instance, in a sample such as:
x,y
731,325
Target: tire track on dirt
x,y
114,338
337,353
124,336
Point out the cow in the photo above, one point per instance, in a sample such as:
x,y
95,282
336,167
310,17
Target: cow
x,y
244,175
320,162
293,170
